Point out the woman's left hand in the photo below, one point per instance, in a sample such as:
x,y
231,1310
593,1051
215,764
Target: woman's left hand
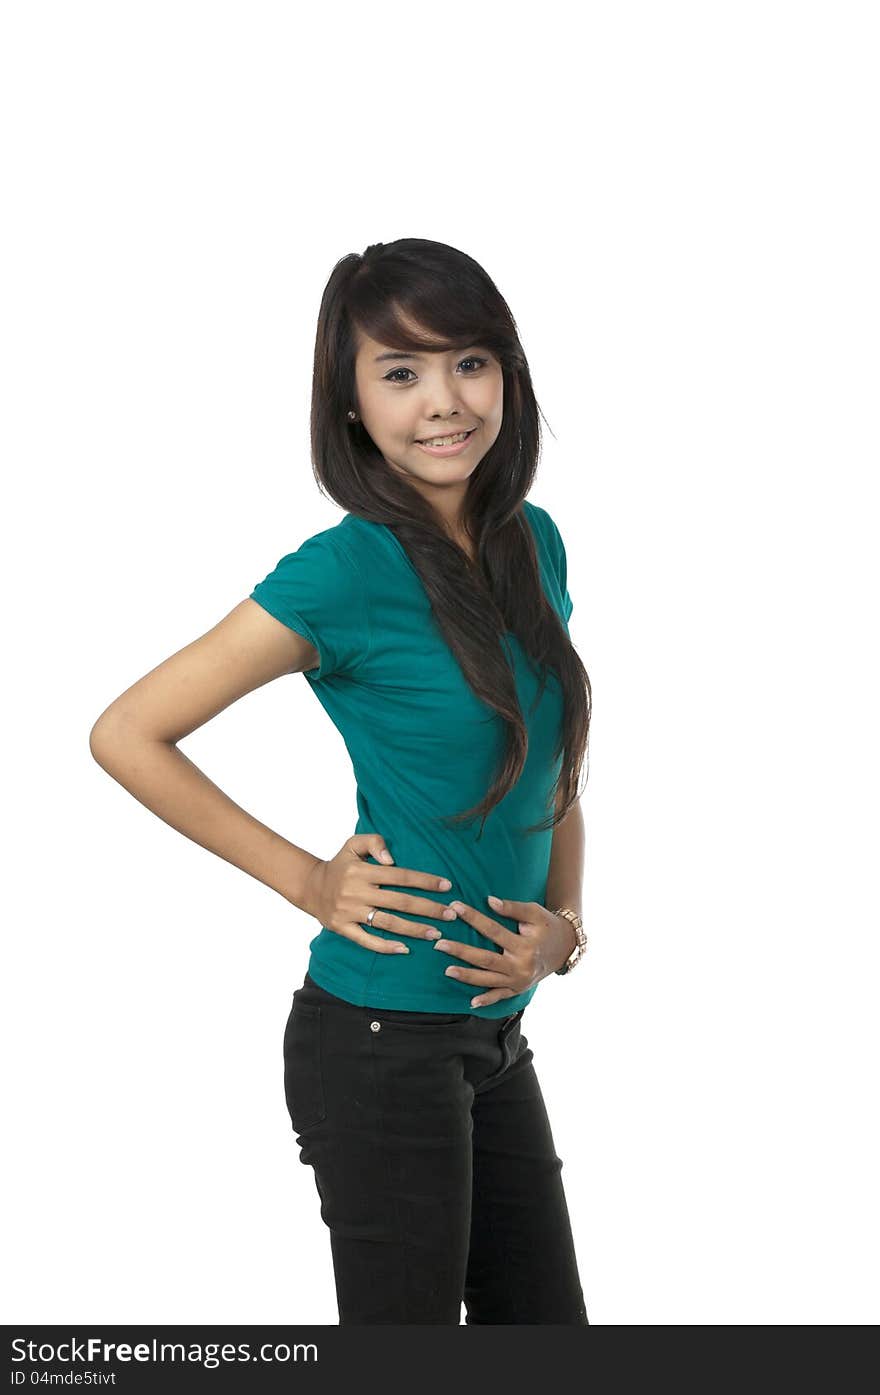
x,y
542,946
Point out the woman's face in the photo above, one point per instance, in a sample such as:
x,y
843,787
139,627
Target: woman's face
x,y
405,398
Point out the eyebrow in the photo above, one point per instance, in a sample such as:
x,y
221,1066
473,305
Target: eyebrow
x,y
456,348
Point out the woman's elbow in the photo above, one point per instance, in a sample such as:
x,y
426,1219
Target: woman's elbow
x,y
110,735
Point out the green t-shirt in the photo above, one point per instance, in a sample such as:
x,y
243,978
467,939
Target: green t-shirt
x,y
422,746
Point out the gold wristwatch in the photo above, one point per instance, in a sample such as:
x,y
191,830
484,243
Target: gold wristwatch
x,y
578,952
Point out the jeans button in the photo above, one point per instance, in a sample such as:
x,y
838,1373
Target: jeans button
x,y
375,1026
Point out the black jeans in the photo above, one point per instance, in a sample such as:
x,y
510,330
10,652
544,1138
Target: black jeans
x,y
434,1164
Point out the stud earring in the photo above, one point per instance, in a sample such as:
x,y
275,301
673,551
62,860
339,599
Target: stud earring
x,y
352,416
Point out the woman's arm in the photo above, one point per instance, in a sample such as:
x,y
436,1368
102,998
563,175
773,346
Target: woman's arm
x,y
134,741
566,876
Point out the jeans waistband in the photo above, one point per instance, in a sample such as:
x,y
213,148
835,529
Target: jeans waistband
x,y
315,988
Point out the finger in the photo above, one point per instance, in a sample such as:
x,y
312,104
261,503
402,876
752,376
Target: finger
x,y
499,934
369,845
514,910
480,958
417,905
404,876
495,996
396,925
481,977
363,937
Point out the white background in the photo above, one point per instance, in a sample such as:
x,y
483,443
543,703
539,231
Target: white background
x,y
680,204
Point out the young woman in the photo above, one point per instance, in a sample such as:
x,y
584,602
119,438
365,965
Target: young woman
x,y
431,622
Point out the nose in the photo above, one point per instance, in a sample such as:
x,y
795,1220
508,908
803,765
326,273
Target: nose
x,y
447,402
446,415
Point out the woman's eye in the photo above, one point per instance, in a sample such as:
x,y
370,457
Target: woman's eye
x,y
393,378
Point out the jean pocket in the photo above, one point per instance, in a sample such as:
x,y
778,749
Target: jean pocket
x,y
398,1017
303,1078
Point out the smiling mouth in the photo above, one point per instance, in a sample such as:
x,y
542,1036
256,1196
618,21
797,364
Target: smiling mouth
x,y
446,440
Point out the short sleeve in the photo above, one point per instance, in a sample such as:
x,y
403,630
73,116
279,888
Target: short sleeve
x,y
558,562
562,572
318,591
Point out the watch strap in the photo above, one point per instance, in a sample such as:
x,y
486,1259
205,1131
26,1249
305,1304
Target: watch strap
x,y
578,952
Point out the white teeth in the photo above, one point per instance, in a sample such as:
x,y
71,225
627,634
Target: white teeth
x,y
446,440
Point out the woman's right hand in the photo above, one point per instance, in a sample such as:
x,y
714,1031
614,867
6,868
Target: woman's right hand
x,y
341,893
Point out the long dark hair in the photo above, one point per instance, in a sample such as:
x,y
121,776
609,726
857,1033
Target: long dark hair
x,y
473,603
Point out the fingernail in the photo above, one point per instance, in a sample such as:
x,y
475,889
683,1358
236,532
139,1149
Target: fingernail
x,y
385,855
493,901
433,934
457,905
401,949
449,914
445,884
